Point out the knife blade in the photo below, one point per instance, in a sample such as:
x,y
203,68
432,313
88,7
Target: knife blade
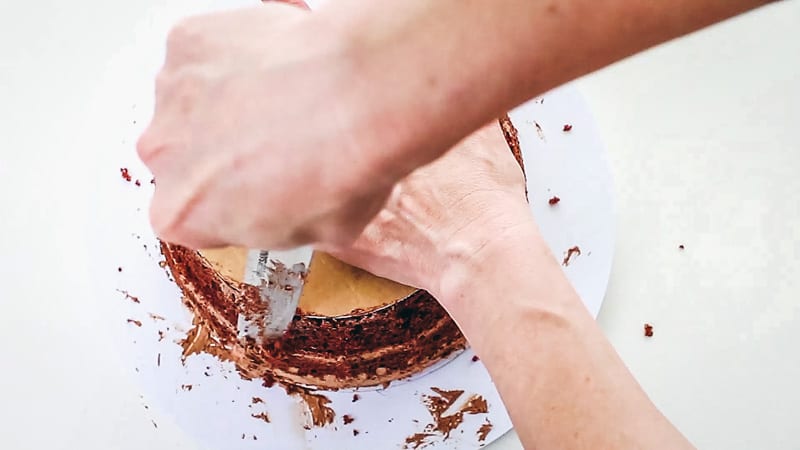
x,y
279,276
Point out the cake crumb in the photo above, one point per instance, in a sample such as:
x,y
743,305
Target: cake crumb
x,y
416,440
257,400
484,430
356,398
158,360
119,269
475,358
681,247
137,183
356,432
648,330
187,387
539,130
574,251
262,416
154,424
138,323
129,296
317,407
553,201
567,128
348,419
125,174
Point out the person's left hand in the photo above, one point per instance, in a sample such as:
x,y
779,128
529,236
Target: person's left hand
x,y
438,219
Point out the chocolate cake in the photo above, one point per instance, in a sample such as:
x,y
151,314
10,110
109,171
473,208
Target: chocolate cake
x,y
352,329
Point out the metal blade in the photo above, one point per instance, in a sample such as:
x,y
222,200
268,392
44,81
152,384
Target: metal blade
x,y
280,276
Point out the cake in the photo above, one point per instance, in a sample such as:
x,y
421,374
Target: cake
x,y
352,329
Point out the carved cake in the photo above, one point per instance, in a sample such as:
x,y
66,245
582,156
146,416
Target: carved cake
x,y
352,329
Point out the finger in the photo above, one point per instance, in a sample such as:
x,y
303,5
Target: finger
x,y
187,41
298,3
172,221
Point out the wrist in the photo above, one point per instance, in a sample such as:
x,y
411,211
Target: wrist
x,y
477,256
513,278
415,105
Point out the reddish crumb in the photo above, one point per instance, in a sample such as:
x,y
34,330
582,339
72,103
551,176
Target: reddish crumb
x,y
187,387
129,296
475,358
257,400
348,419
681,247
125,174
262,416
568,257
356,398
137,183
553,201
648,330
567,128
135,322
356,432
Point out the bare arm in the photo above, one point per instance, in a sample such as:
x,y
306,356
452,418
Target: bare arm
x,y
462,229
562,382
446,67
252,102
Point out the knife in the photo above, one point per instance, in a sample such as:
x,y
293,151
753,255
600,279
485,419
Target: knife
x,y
279,276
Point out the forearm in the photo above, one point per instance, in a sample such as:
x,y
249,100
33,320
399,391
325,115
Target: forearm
x,y
443,68
562,382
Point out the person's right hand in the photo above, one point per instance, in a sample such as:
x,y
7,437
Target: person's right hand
x,y
438,221
264,134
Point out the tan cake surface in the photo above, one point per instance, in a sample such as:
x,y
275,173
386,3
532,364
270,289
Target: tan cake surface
x,y
351,329
333,288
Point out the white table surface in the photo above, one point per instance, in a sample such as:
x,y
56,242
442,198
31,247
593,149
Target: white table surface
x,y
701,135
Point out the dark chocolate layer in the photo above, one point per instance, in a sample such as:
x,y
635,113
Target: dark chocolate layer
x,y
364,349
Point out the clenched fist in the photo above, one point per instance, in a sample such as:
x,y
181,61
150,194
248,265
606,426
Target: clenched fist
x,y
263,133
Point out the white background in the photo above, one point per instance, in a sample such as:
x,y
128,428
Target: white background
x,y
702,139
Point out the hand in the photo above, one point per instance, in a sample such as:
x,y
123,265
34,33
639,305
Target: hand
x,y
438,219
261,136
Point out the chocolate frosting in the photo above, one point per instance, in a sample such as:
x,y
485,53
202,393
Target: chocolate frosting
x,y
361,349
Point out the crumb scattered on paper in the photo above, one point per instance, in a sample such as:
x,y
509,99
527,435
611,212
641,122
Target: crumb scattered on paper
x,y
574,251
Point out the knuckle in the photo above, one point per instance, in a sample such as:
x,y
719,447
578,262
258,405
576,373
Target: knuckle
x,y
163,81
162,224
180,33
183,41
145,147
